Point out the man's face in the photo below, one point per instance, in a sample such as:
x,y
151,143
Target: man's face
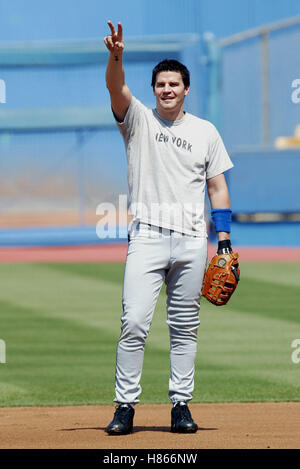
x,y
169,91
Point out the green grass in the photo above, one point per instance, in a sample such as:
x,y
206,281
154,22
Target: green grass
x,y
61,323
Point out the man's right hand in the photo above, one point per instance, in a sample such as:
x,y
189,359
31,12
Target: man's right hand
x,y
114,41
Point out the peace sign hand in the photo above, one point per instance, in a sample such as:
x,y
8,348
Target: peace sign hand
x,y
114,42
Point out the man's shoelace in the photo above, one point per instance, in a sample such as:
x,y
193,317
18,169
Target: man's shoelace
x,y
184,411
121,413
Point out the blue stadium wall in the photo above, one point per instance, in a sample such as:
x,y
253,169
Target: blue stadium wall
x,y
68,19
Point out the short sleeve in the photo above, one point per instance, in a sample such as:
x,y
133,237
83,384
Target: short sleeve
x,y
132,119
218,160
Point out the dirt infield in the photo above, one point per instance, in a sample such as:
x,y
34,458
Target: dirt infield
x,y
117,253
221,426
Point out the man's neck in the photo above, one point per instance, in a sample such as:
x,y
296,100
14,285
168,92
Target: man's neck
x,y
174,115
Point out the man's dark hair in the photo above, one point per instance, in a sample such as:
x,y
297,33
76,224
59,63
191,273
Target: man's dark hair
x,y
170,65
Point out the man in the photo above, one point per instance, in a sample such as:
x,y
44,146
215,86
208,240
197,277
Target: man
x,y
171,155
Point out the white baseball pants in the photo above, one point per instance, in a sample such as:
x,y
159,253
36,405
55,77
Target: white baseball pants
x,y
156,255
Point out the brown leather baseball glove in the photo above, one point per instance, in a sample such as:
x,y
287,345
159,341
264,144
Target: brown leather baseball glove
x,y
221,278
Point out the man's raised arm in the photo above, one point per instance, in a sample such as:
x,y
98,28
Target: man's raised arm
x,y
120,94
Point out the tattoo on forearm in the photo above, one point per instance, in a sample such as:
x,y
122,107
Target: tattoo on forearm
x,y
116,58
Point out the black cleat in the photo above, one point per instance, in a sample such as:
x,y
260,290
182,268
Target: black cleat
x,y
122,422
181,419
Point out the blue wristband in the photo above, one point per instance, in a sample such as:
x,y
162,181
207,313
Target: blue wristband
x,y
222,219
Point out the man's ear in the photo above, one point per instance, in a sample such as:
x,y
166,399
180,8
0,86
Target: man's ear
x,y
186,91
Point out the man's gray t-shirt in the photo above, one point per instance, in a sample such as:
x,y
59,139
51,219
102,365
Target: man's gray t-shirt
x,y
168,164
